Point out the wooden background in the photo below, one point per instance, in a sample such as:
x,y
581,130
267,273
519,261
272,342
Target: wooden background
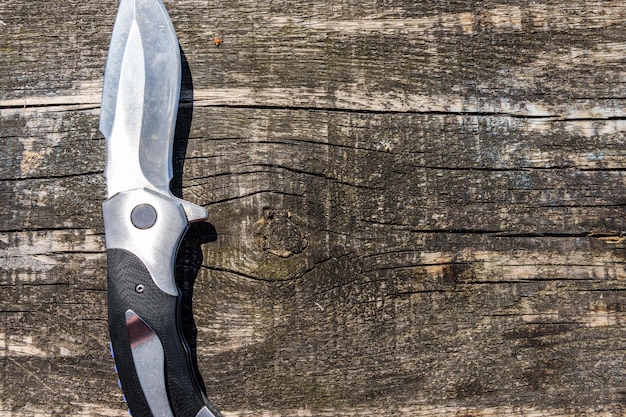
x,y
417,208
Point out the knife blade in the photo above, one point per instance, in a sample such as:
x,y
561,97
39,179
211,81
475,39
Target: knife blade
x,y
144,222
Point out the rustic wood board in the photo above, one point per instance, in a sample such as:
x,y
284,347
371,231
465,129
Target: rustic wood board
x,y
416,208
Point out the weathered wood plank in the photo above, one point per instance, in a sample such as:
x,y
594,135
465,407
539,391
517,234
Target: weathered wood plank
x,y
416,208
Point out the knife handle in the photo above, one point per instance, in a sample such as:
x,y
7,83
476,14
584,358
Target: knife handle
x,y
151,355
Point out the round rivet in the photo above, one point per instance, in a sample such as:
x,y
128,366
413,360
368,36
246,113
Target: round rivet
x,y
139,288
143,216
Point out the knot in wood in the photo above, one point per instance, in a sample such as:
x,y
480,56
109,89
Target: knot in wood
x,y
281,234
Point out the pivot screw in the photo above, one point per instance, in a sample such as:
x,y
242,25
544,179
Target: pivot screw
x,y
143,216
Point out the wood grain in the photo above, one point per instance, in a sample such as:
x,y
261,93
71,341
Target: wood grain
x,y
416,208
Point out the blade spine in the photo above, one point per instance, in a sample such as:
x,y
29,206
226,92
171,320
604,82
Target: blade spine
x,y
109,62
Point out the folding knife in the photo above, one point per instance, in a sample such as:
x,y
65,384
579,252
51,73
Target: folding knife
x,y
144,223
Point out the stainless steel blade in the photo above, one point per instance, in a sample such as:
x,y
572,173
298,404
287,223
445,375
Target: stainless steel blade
x,y
140,98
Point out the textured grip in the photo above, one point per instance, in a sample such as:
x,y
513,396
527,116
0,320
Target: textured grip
x,y
130,287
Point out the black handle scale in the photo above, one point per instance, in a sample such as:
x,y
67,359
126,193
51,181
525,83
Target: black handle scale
x,y
161,312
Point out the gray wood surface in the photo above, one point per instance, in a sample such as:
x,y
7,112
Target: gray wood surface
x,y
416,208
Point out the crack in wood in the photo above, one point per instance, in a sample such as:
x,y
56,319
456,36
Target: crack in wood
x,y
92,102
